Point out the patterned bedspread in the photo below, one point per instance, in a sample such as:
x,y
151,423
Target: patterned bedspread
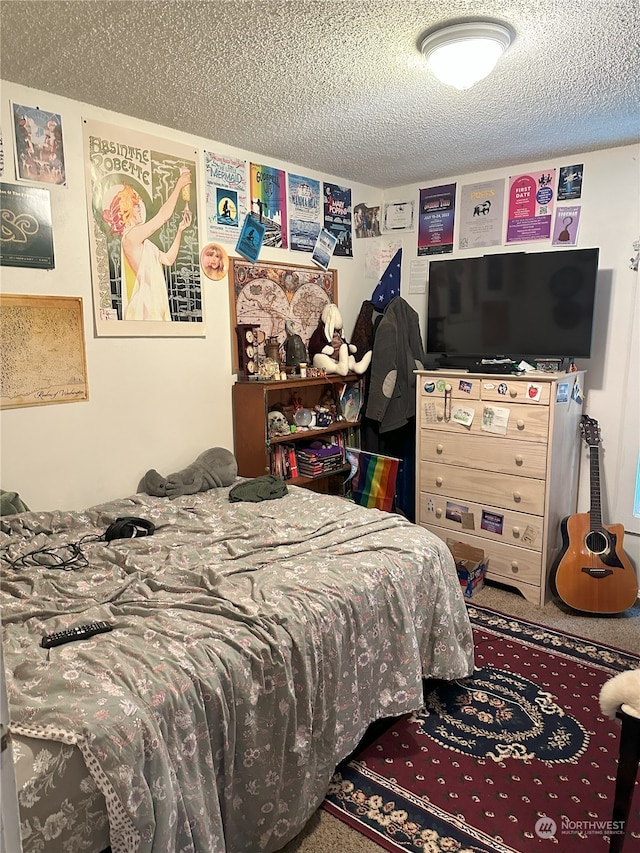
x,y
252,646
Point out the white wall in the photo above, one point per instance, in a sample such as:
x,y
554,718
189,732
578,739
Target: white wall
x,y
153,402
159,402
610,220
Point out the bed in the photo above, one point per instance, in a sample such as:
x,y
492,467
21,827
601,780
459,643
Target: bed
x,y
252,645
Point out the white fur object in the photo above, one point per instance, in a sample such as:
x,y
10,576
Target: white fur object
x,y
623,690
346,361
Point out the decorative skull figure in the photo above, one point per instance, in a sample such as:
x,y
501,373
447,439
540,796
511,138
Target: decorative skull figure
x,y
278,424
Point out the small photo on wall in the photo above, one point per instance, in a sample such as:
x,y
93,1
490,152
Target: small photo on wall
x,y
214,261
39,147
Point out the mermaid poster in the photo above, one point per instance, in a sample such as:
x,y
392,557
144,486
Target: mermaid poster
x,y
269,203
143,229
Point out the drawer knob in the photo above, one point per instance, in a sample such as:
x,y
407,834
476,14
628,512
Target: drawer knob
x,y
439,448
513,393
438,481
516,532
439,512
514,567
519,459
520,424
517,497
440,414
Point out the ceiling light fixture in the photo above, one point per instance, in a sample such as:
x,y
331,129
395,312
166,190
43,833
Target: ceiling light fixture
x,y
461,55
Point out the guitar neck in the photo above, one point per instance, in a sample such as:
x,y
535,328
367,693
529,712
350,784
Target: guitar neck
x,y
595,511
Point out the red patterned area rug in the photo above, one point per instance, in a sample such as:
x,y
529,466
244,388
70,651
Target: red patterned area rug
x,y
516,758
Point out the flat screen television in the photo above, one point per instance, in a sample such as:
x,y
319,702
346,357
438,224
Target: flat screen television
x,y
531,305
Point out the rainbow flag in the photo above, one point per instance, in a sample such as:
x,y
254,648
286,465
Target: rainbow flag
x,y
374,482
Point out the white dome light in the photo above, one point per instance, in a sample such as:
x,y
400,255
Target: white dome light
x,y
460,55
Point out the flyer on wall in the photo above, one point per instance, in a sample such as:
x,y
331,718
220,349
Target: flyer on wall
x,y
324,248
399,215
530,206
436,220
570,182
565,229
251,238
39,148
269,203
481,209
305,212
226,195
27,233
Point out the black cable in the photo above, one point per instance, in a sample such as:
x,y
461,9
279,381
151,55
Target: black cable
x,y
67,557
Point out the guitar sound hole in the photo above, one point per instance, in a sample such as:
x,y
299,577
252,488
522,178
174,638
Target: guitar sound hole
x,y
597,542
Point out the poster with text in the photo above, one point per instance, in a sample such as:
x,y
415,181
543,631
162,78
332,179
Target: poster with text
x,y
480,214
337,217
324,248
251,238
565,229
399,215
39,147
570,182
226,195
305,213
143,230
530,206
268,190
436,220
26,238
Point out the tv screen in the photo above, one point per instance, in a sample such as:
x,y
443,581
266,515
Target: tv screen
x,y
516,305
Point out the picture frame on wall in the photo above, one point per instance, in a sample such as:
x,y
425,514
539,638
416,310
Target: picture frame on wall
x,y
274,296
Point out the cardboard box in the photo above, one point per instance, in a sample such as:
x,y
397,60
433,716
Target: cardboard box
x,y
471,565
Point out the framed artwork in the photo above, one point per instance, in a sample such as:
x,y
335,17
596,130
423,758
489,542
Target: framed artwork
x,y
278,298
43,345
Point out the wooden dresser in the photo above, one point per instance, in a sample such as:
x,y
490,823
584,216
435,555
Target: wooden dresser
x,y
497,462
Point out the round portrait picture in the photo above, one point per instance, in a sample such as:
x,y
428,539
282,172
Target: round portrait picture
x,y
214,261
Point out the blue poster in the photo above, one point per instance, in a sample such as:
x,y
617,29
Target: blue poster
x,y
251,238
305,212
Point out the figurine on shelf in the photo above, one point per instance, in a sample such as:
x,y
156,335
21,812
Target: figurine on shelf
x,y
328,349
295,350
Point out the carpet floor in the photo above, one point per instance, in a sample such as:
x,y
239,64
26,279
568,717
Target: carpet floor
x,y
541,683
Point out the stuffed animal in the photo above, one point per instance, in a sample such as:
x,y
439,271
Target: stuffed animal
x,y
622,689
329,350
214,468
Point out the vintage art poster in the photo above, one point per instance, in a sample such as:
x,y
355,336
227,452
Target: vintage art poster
x,y
26,238
399,215
226,194
565,229
277,297
436,220
337,217
251,238
305,213
268,189
143,230
481,211
366,220
530,206
43,351
570,182
39,146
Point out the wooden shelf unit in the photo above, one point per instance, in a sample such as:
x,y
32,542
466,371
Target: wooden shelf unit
x,y
505,492
252,401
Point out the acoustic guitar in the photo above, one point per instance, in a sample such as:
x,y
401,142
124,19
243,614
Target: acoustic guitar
x,y
592,572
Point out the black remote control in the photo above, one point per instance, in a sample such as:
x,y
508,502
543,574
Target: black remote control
x,y
79,633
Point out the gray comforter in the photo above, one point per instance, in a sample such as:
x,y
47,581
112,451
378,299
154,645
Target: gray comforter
x,y
252,646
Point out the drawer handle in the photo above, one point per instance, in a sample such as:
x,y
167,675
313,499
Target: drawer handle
x,y
519,459
516,532
439,512
520,424
517,497
439,448
514,567
438,481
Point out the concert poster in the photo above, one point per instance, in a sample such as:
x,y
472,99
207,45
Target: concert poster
x,y
436,220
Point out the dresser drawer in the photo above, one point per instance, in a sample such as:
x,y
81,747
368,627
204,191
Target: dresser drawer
x,y
522,494
526,423
490,453
489,522
505,563
507,390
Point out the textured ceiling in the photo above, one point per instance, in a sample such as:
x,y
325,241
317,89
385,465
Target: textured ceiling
x,y
341,87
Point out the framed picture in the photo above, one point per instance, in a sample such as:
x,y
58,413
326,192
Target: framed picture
x,y
279,298
44,351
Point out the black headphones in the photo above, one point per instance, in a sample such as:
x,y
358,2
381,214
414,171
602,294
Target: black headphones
x,y
129,527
